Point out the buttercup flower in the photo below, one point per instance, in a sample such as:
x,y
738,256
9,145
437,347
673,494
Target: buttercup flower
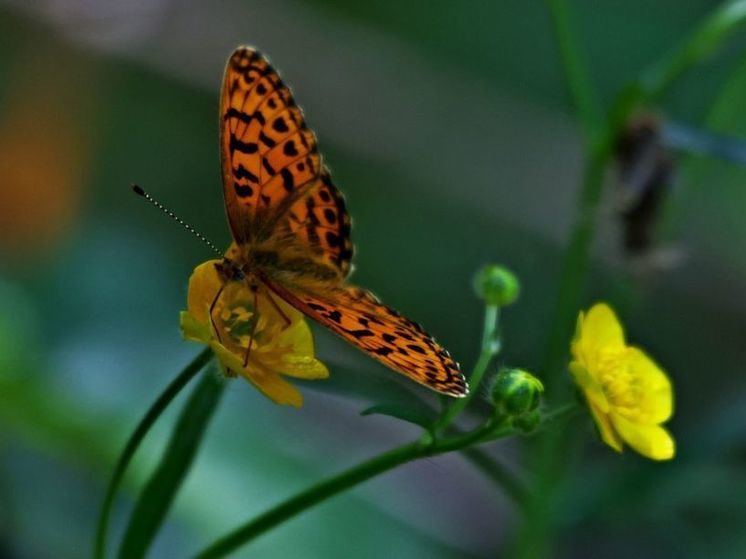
x,y
627,393
282,341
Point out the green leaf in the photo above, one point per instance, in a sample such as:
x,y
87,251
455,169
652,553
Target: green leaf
x,y
142,429
159,492
706,39
415,413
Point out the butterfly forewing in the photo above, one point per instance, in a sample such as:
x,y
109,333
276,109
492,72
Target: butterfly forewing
x,y
268,154
381,332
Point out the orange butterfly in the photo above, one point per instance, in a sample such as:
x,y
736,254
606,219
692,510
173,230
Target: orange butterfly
x,y
291,230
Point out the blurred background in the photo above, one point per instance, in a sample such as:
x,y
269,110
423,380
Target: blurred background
x,y
451,133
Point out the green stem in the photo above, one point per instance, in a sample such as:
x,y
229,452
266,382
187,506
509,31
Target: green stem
x,y
513,486
575,268
345,480
706,38
490,347
356,475
587,105
133,443
158,493
533,536
311,497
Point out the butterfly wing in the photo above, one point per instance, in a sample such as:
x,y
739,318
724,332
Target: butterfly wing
x,y
268,154
381,332
280,200
318,226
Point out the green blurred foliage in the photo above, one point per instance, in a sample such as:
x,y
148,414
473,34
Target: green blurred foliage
x,y
89,300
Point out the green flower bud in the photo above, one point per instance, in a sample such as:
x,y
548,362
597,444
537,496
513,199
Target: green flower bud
x,y
528,422
497,285
516,392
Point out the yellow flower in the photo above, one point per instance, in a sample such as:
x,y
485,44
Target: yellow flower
x,y
281,344
627,393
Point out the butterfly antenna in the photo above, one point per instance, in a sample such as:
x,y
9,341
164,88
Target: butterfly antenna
x,y
176,218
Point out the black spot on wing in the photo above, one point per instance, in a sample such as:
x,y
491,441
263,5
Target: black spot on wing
x,y
242,172
279,125
287,179
243,190
266,140
289,148
243,147
361,333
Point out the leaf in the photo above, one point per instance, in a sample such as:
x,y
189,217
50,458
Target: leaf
x,y
706,39
137,436
158,493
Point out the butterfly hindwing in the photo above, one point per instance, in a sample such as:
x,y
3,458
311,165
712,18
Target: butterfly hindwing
x,y
268,154
320,223
381,332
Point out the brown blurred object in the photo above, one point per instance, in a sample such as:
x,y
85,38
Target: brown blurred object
x,y
645,174
43,153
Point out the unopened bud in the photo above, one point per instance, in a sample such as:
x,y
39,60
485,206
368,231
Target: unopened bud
x,y
528,422
516,392
497,285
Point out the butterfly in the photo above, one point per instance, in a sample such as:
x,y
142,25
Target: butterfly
x,y
291,229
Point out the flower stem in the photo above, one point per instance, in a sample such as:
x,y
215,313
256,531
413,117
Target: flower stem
x,y
489,348
587,104
310,497
133,443
158,493
349,478
534,535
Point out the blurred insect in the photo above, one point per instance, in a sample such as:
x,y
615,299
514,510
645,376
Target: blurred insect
x,y
645,154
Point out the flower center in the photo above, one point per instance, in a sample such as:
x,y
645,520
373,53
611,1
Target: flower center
x,y
620,386
238,322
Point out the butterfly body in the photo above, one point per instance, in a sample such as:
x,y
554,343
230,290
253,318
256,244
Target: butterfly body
x,y
291,228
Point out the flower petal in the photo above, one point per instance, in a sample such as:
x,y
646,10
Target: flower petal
x,y
204,284
605,428
599,330
656,395
303,367
251,324
590,386
230,361
268,382
274,387
652,441
193,330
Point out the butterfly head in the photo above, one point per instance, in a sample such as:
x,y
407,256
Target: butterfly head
x,y
229,270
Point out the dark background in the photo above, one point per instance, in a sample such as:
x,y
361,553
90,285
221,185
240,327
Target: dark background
x,y
449,128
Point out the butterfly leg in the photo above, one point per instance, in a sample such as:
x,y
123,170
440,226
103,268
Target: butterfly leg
x,y
278,309
255,318
212,308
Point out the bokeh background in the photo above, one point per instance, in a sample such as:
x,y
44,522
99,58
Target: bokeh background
x,y
449,128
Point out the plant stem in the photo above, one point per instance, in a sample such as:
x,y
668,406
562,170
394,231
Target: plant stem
x,y
349,478
587,105
533,537
158,493
490,347
574,268
310,497
133,443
